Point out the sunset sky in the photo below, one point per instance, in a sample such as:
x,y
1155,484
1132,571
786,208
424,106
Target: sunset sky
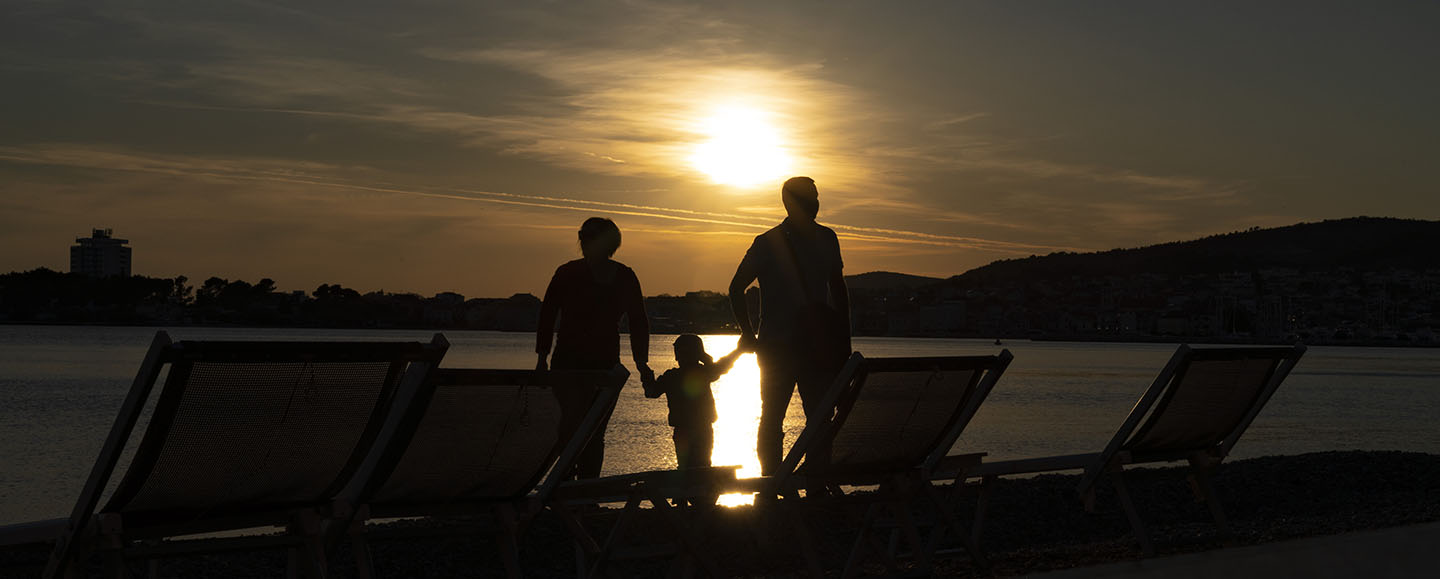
x,y
457,146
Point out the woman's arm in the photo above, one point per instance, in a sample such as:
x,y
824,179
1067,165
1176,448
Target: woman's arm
x,y
545,329
639,326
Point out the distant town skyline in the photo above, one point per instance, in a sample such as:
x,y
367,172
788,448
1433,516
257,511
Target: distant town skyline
x,y
458,147
101,255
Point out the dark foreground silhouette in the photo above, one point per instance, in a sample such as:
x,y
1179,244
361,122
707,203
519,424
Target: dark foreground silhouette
x,y
1033,524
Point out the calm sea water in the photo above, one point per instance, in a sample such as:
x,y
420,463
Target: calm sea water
x,y
60,388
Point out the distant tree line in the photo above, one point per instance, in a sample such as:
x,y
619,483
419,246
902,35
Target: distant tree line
x,y
47,296
1351,281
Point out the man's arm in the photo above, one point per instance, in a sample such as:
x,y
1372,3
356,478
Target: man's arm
x,y
840,296
744,276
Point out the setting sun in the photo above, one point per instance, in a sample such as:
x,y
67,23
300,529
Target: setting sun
x,y
744,148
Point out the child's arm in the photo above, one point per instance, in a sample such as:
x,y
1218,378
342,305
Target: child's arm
x,y
719,367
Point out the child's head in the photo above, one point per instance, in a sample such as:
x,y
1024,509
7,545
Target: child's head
x,y
690,350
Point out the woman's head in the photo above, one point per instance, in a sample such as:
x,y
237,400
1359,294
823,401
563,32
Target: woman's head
x,y
599,237
689,349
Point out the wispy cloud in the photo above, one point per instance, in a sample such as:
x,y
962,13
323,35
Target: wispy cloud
x,y
321,175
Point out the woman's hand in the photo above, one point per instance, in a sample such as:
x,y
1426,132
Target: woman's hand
x,y
540,365
647,376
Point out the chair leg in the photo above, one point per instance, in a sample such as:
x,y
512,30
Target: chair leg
x,y
74,570
364,562
616,532
909,528
308,559
509,539
69,563
852,563
115,565
947,503
112,551
971,540
770,512
292,563
1142,534
1201,478
689,532
585,545
982,504
808,549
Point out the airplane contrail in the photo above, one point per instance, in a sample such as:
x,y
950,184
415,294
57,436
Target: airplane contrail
x,y
845,231
860,232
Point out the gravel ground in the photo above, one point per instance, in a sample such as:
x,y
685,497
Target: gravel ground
x,y
1033,525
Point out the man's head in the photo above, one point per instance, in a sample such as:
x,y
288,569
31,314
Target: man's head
x,y
801,199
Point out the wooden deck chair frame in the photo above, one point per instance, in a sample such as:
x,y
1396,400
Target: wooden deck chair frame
x,y
87,531
1150,407
683,500
900,490
688,524
512,513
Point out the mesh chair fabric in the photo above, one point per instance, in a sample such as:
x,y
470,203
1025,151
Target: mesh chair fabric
x,y
479,442
255,435
898,417
1203,405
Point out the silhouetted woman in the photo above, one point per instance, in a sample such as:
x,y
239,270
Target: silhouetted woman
x,y
589,295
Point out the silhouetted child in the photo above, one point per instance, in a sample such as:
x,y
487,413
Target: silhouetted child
x,y
687,392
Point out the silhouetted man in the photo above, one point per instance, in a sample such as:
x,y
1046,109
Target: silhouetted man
x,y
804,312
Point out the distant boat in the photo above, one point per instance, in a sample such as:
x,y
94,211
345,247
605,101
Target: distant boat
x,y
997,342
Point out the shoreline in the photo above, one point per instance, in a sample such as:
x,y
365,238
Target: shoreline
x,y
1098,339
1032,524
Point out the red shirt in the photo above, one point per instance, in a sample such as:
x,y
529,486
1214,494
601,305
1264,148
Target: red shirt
x,y
589,317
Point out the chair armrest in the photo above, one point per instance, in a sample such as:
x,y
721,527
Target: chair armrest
x,y
618,488
34,532
1032,465
950,466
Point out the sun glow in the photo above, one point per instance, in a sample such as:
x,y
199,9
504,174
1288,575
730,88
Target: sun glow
x,y
744,148
737,400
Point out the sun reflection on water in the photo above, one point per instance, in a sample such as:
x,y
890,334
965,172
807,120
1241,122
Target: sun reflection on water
x,y
737,402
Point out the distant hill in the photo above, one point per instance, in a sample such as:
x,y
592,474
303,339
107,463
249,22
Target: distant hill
x,y
1360,243
887,281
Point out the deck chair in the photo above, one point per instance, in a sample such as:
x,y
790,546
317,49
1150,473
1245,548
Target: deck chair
x,y
1194,411
895,421
478,443
243,435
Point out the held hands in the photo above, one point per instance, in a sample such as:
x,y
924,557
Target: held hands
x,y
647,376
747,342
648,381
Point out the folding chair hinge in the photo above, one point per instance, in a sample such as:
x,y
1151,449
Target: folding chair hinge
x,y
340,509
110,524
1205,460
306,522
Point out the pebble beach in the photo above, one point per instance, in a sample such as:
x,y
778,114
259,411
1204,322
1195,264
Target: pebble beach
x,y
1032,525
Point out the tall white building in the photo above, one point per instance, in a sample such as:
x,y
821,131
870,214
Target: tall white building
x,y
100,255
